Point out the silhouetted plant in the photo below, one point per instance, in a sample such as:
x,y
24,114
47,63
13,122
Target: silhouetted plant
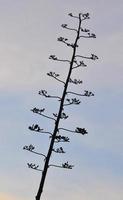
x,y
64,100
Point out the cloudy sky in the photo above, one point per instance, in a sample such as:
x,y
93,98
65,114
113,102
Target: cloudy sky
x,y
28,35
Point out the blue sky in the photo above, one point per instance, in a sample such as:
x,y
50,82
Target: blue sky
x,y
28,35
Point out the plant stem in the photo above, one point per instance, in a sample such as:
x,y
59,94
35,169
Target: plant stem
x,y
46,165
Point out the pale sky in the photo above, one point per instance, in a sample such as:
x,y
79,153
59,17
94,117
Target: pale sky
x,y
28,35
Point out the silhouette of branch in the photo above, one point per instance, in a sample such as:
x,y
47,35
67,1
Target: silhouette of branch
x,y
63,40
66,26
64,129
92,57
77,130
64,165
54,75
39,111
33,166
53,57
87,93
55,166
90,35
30,148
44,93
85,16
71,15
37,128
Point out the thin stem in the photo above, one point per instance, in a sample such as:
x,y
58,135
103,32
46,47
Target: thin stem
x,y
55,166
40,131
71,29
86,57
66,130
46,132
37,169
55,97
75,93
63,60
46,116
77,66
40,154
59,81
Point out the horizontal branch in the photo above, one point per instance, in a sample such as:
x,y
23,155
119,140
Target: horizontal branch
x,y
77,130
85,16
77,66
92,57
37,111
64,129
71,15
75,93
53,57
44,93
33,166
63,40
87,36
55,166
37,128
40,154
65,26
71,29
31,148
46,116
54,75
64,166
87,93
59,80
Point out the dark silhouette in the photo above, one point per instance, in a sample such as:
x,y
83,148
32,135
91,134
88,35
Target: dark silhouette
x,y
76,61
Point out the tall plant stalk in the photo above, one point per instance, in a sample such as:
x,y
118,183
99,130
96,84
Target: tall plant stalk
x,y
54,136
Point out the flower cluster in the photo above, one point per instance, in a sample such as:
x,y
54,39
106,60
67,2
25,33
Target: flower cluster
x,y
35,127
43,93
59,150
33,166
60,138
88,94
75,81
73,101
94,57
62,39
67,166
39,111
53,74
53,57
81,130
29,148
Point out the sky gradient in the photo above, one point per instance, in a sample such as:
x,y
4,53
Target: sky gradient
x,y
28,35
